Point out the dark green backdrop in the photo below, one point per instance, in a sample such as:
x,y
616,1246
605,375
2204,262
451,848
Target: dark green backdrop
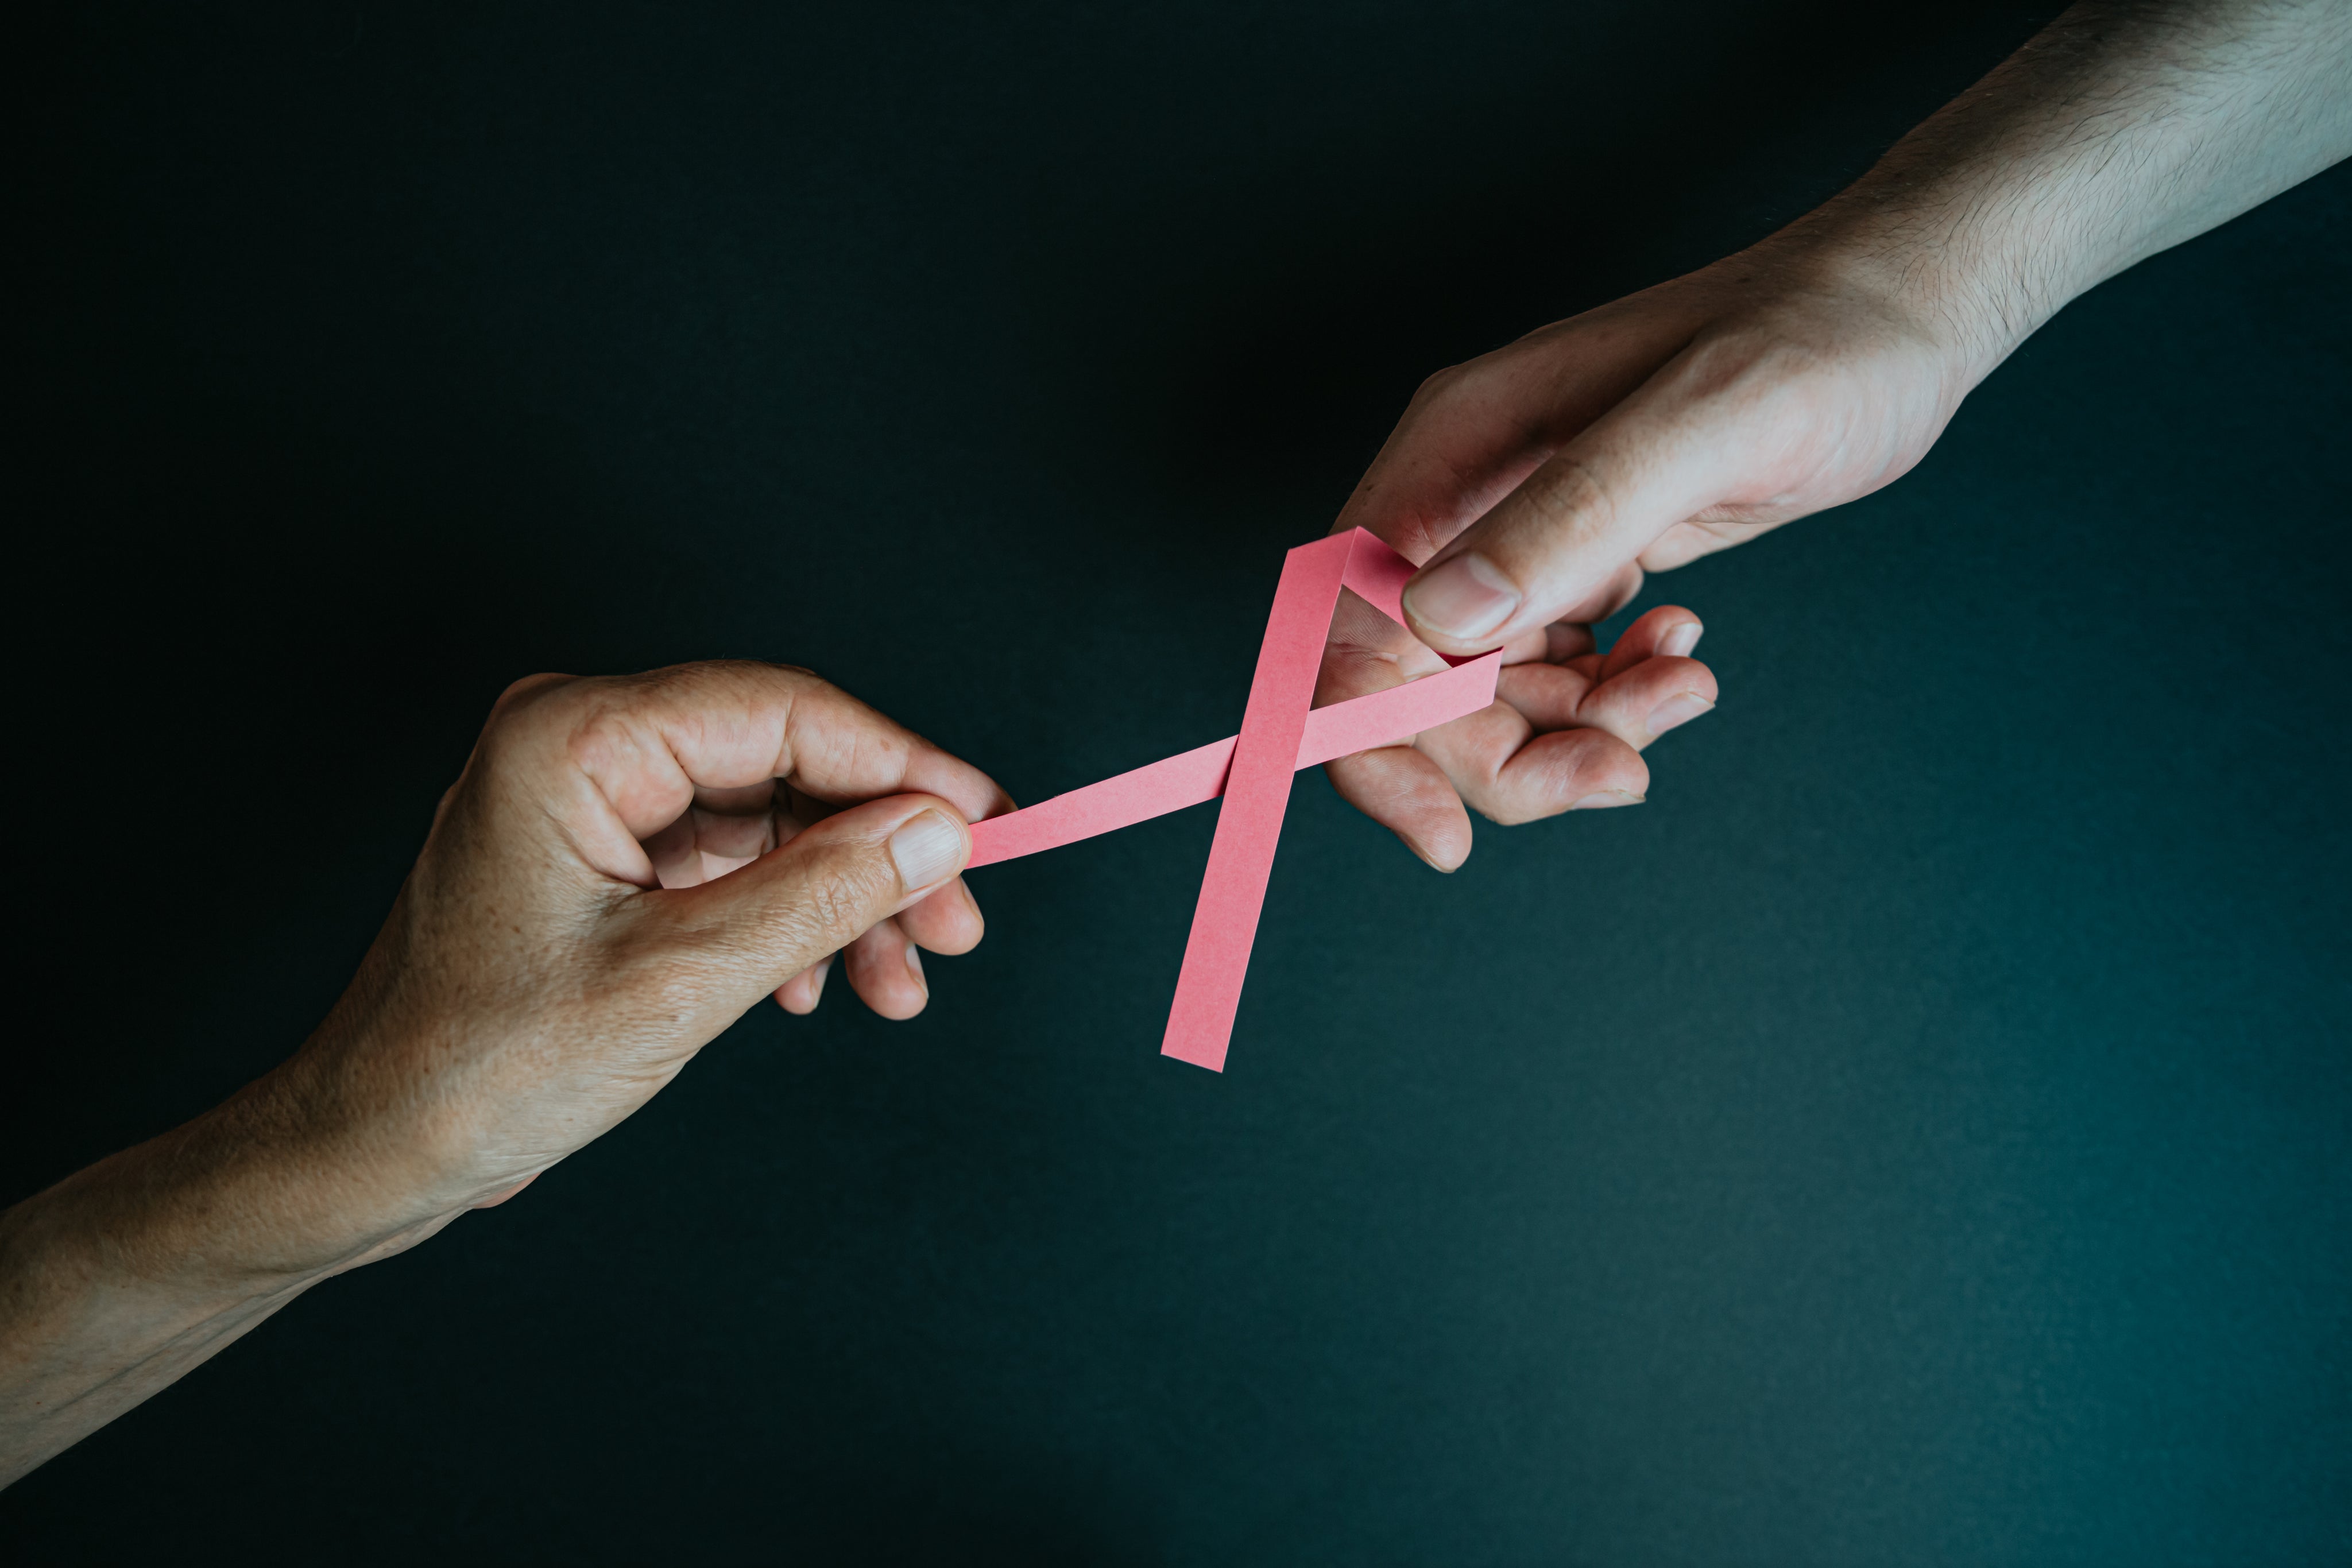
x,y
1919,1134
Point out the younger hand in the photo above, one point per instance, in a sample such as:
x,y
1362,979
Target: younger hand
x,y
1564,733
1536,484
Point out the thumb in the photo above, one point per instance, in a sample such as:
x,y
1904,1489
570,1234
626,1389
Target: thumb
x,y
747,932
1554,544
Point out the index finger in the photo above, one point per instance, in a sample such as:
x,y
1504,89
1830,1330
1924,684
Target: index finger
x,y
1474,433
625,755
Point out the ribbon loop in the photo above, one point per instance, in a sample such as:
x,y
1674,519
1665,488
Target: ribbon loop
x,y
1281,733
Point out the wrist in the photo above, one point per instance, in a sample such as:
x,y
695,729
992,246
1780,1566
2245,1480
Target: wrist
x,y
120,1279
327,1178
263,1194
1960,288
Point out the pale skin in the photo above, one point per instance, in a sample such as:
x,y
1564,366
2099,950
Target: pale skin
x,y
1536,484
627,865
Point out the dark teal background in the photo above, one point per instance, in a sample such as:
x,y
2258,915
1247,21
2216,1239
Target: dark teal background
x,y
1919,1134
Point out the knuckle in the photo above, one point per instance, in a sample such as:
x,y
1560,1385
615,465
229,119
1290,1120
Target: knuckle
x,y
1354,671
521,708
603,738
515,737
849,893
1566,490
1735,362
1454,386
1439,384
521,692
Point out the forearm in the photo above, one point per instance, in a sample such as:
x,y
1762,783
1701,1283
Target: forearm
x,y
125,1277
82,1340
2120,131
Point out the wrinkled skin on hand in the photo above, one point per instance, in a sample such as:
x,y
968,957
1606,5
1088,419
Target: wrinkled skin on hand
x,y
625,867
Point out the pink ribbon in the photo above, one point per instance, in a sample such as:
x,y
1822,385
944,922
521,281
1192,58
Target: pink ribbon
x,y
1281,733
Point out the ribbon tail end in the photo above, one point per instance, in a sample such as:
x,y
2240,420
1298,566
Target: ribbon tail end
x,y
1197,1052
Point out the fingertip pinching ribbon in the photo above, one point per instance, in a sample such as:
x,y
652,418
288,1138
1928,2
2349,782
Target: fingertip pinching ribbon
x,y
1282,732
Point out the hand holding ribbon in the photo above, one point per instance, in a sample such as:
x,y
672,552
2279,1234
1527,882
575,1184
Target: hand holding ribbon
x,y
1280,734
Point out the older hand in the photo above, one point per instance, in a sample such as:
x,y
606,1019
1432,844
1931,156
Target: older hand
x,y
536,982
621,872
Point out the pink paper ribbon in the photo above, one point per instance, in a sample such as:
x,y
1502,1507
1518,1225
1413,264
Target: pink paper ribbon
x,y
1281,733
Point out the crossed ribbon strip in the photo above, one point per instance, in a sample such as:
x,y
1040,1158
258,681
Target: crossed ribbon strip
x,y
1281,733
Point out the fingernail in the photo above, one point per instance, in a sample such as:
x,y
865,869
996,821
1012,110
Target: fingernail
x,y
925,850
816,980
915,966
1680,708
1466,597
1679,642
1606,798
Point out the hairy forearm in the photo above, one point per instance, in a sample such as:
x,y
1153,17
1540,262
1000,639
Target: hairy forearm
x,y
2121,129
